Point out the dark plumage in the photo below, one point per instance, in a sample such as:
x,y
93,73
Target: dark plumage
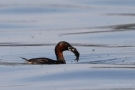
x,y
59,48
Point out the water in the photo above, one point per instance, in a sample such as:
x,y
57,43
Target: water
x,y
101,30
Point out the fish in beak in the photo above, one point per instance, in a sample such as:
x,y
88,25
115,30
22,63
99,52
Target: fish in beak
x,y
74,50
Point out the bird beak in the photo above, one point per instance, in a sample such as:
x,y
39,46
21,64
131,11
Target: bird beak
x,y
74,50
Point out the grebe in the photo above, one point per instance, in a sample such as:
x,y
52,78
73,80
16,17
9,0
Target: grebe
x,y
59,48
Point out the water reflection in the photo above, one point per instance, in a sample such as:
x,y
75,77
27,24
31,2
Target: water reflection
x,y
107,26
103,31
112,28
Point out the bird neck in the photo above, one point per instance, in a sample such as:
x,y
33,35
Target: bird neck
x,y
59,56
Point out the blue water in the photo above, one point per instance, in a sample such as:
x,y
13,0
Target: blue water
x,y
108,2
97,28
101,30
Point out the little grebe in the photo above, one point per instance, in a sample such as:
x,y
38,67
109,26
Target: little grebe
x,y
60,47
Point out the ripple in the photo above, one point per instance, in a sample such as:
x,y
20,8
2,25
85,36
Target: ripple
x,y
114,28
53,44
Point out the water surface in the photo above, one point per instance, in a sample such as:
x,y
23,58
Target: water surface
x,y
101,30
